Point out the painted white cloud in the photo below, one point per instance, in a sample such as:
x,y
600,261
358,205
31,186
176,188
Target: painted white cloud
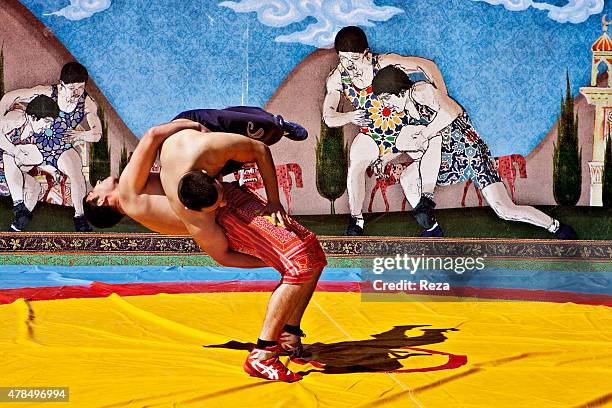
x,y
80,9
574,11
330,16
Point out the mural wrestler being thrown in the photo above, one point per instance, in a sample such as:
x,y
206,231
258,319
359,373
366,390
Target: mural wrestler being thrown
x,y
464,154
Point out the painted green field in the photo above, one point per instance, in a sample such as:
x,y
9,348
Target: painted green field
x,y
589,222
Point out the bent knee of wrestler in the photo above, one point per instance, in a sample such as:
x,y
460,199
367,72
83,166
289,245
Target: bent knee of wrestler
x,y
505,212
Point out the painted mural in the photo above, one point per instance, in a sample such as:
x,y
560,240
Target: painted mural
x,y
476,118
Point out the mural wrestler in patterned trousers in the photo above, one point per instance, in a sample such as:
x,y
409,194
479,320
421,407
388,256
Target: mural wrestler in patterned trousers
x,y
231,224
379,125
77,121
464,154
18,149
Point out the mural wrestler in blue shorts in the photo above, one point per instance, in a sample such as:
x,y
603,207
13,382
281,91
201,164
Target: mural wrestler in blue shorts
x,y
464,154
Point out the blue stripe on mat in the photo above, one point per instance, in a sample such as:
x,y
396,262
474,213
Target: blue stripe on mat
x,y
20,276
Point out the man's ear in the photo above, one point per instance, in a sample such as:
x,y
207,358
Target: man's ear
x,y
100,201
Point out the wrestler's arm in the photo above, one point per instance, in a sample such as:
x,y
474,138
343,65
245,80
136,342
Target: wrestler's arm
x,y
331,116
22,95
92,121
136,173
428,66
211,238
8,123
243,149
447,109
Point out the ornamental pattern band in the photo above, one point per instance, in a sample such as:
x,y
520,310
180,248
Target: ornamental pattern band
x,y
139,244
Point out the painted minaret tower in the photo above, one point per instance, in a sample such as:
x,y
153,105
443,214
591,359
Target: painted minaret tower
x,y
601,98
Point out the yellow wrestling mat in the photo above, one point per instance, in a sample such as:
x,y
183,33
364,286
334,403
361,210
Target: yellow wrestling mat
x,y
153,351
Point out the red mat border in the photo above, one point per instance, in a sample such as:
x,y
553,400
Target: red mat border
x,y
99,289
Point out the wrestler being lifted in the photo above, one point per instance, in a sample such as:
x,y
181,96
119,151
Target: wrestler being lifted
x,y
231,224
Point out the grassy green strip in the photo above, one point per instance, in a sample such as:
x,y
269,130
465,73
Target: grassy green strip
x,y
203,260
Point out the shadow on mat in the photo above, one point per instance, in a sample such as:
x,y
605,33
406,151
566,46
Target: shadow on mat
x,y
382,353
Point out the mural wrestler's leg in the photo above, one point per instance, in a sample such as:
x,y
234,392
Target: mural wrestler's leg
x,y
31,191
429,167
363,152
410,180
70,164
15,180
412,186
498,198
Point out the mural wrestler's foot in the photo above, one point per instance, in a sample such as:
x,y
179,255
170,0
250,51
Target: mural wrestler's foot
x,y
81,224
21,218
353,230
433,233
292,130
264,363
566,232
423,213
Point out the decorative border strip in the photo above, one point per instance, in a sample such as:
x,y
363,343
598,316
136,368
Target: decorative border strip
x,y
98,289
362,247
201,259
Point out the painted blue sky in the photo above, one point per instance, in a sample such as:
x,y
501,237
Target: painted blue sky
x,y
153,59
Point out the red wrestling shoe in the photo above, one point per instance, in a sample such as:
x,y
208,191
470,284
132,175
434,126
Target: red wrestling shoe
x,y
266,365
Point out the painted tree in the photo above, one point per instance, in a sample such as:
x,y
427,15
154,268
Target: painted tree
x,y
99,155
331,164
607,175
567,157
123,160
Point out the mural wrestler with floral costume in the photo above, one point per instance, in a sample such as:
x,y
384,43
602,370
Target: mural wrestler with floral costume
x,y
19,150
465,156
379,125
77,121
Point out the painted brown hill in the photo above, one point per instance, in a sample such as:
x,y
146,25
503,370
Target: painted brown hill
x,y
539,161
34,56
300,98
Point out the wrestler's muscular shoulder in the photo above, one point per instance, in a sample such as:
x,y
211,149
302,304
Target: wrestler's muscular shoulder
x,y
334,80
